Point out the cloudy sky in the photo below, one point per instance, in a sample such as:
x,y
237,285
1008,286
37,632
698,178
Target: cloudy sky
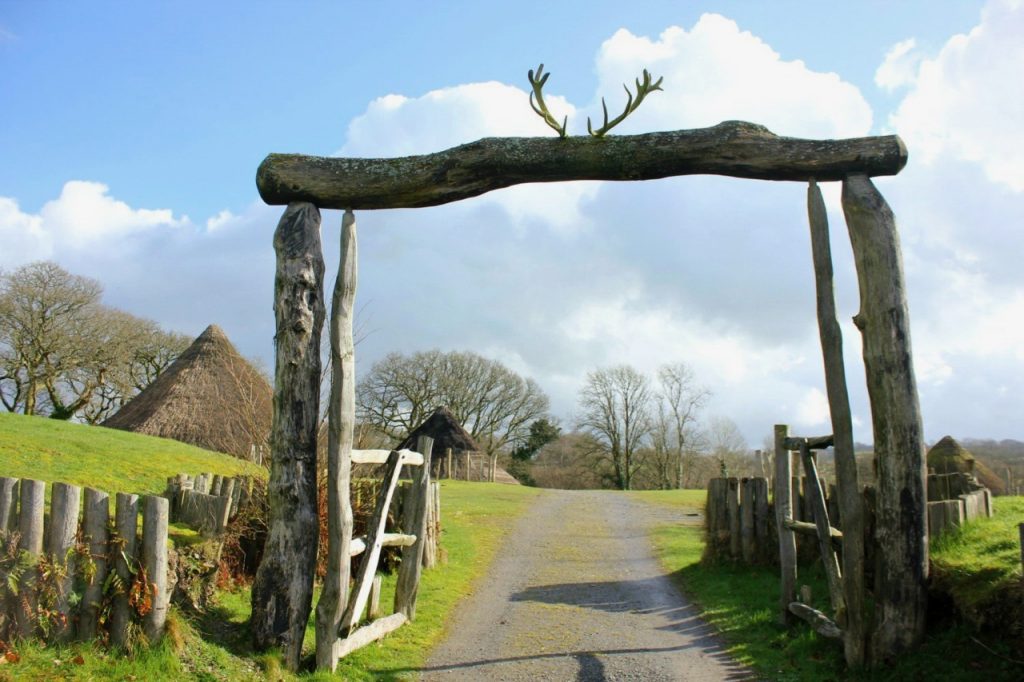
x,y
130,136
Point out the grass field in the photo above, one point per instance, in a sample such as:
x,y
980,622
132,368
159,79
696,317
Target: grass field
x,y
107,459
742,603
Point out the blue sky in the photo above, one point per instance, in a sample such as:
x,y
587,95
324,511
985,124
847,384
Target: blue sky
x,y
130,134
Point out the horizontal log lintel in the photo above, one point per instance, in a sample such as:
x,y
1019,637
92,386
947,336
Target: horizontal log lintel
x,y
733,148
390,540
369,633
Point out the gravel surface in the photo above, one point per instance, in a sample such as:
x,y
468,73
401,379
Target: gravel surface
x,y
575,594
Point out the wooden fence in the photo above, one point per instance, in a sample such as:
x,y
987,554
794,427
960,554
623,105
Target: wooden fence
x,y
740,517
53,537
207,502
466,466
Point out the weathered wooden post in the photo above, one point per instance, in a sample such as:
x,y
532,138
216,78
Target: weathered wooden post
x,y
65,501
765,544
414,521
884,324
126,519
30,527
747,533
783,512
8,503
154,559
732,500
283,589
850,505
340,434
95,523
448,455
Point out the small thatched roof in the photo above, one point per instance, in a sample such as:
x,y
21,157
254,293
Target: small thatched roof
x,y
446,431
209,396
948,456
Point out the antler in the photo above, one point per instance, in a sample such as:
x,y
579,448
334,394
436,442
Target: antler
x,y
540,107
642,90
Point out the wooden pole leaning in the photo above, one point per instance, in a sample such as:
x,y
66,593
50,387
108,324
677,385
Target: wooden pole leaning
x,y
851,505
340,433
883,321
414,521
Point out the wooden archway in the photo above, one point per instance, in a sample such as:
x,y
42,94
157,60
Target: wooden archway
x,y
283,589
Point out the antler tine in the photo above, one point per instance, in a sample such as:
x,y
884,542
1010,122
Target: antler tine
x,y
540,108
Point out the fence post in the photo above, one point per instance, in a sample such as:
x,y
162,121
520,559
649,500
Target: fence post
x,y
783,512
30,526
732,493
65,501
126,519
414,521
8,503
747,519
95,523
763,543
154,558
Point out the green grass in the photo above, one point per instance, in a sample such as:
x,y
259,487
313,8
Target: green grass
x,y
675,499
107,459
475,518
741,602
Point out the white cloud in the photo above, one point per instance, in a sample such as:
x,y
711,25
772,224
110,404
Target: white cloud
x,y
220,220
813,410
900,66
716,72
21,234
967,103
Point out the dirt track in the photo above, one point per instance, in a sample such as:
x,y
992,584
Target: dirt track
x,y
575,594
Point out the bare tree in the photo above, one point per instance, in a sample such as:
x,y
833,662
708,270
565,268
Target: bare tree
x,y
492,402
615,409
675,439
728,448
570,462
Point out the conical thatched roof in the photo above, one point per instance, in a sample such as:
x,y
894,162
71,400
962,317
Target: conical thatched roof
x,y
948,456
446,431
209,396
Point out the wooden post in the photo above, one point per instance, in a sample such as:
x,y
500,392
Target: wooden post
x,y
494,467
466,471
747,539
732,500
448,455
784,511
765,547
154,559
282,592
373,609
849,504
215,486
883,320
30,527
126,519
340,435
430,544
414,521
8,504
65,502
95,523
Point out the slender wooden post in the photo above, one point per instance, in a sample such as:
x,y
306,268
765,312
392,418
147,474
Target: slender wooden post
x,y
65,502
448,454
373,607
850,505
8,504
784,511
215,486
126,519
282,592
30,527
747,532
414,521
732,499
95,523
340,434
896,420
154,559
763,543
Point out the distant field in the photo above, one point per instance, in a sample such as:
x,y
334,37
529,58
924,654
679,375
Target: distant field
x,y
108,459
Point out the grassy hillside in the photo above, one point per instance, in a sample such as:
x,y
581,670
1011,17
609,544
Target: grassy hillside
x,y
108,459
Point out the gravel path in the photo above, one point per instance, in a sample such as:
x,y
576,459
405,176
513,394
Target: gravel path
x,y
575,594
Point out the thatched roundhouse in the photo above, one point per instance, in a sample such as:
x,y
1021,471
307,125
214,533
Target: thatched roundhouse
x,y
447,433
948,456
209,396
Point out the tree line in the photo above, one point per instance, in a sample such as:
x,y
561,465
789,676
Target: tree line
x,y
64,354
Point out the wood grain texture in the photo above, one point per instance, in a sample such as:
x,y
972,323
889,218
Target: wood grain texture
x,y
414,520
783,512
884,323
65,503
282,592
733,148
849,504
95,525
